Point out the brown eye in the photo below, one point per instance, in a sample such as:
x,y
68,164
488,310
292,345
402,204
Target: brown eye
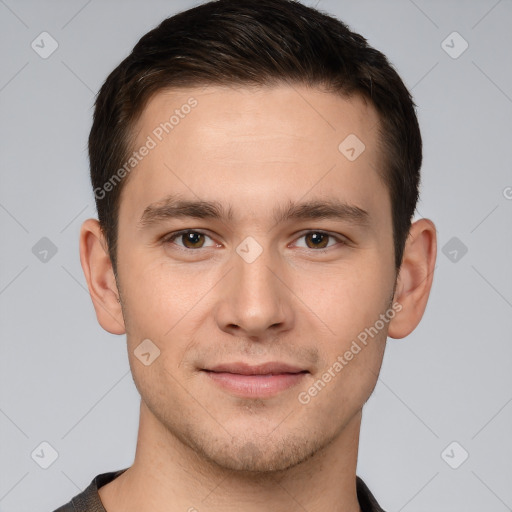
x,y
188,239
193,240
317,240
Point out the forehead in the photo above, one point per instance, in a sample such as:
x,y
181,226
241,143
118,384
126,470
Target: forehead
x,y
297,110
227,141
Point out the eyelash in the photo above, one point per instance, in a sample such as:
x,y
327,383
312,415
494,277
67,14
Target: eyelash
x,y
173,236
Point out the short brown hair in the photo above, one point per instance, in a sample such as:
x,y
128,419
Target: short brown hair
x,y
255,42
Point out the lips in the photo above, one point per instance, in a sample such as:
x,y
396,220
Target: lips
x,y
255,381
261,369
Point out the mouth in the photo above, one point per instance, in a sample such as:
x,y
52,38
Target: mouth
x,y
259,381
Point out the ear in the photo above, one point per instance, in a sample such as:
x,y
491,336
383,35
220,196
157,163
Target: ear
x,y
414,278
100,277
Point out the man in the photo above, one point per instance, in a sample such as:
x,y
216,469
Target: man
x,y
256,169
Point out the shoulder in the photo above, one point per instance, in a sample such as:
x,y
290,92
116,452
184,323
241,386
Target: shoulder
x,y
89,499
68,507
366,499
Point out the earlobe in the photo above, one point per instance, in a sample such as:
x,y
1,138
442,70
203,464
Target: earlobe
x,y
99,274
415,278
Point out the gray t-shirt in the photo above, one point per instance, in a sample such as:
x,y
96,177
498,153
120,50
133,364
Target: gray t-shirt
x,y
89,500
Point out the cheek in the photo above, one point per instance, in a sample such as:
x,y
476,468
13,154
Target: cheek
x,y
351,307
157,295
159,388
349,299
345,393
167,306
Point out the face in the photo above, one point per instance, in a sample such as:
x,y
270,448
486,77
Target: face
x,y
256,254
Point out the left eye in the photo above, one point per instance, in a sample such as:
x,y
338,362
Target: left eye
x,y
196,239
318,240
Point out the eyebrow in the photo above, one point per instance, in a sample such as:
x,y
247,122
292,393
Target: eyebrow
x,y
172,207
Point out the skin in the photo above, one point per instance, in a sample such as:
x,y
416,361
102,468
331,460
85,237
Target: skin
x,y
253,149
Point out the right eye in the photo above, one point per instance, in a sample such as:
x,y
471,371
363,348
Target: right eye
x,y
190,239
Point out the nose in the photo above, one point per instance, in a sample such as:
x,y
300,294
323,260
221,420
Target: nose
x,y
255,301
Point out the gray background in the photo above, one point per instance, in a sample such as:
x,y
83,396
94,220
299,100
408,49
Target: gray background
x,y
67,382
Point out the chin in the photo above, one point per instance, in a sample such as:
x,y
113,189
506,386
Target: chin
x,y
256,454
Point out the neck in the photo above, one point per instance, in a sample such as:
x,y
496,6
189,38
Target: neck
x,y
168,476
